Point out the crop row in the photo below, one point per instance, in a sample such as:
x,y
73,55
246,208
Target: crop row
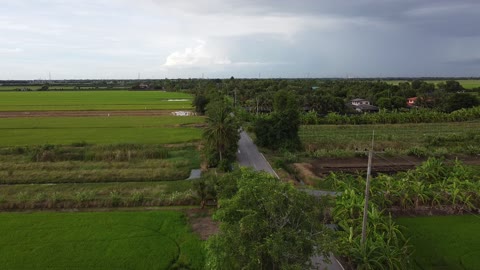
x,y
385,117
435,139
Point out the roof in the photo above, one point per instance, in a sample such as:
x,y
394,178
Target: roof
x,y
365,107
359,99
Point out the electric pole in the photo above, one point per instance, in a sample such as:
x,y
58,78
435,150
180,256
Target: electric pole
x,y
367,192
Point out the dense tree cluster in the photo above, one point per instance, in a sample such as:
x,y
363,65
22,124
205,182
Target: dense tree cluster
x,y
327,96
280,128
265,224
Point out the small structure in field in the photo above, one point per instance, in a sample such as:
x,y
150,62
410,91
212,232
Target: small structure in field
x,y
183,113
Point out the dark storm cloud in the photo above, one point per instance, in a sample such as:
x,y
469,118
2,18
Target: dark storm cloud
x,y
277,38
470,62
444,17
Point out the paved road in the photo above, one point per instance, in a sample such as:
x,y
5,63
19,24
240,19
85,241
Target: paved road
x,y
249,156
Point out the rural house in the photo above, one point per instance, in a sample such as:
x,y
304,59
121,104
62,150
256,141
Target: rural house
x,y
411,101
362,105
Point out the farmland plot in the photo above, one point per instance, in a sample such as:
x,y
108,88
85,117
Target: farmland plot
x,y
102,240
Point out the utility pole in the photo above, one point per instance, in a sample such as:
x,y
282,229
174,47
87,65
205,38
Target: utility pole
x,y
367,192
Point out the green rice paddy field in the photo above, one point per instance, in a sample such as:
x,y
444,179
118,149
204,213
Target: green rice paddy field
x,y
94,100
99,130
448,242
63,88
98,240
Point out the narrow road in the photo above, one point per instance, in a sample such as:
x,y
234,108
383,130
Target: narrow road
x,y
249,156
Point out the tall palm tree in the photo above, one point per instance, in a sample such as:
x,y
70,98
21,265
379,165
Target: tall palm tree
x,y
221,134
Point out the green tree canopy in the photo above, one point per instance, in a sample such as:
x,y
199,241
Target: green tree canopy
x,y
280,129
266,224
459,101
200,102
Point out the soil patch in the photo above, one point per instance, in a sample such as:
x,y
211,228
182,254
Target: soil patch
x,y
305,171
202,222
389,165
85,113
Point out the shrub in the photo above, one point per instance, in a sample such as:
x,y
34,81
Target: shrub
x,y
115,198
418,152
137,198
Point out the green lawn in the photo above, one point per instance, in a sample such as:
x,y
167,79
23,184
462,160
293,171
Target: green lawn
x,y
98,130
98,240
450,242
94,100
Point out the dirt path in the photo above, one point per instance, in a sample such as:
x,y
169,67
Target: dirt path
x,y
202,223
85,113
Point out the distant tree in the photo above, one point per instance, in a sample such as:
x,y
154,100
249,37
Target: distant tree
x,y
452,86
280,129
416,84
266,224
200,102
398,102
459,101
43,88
384,103
393,103
425,88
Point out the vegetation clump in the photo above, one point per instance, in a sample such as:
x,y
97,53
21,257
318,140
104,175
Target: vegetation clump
x,y
266,224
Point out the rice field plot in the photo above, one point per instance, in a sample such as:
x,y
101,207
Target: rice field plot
x,y
61,88
446,242
35,87
99,130
94,100
98,240
390,137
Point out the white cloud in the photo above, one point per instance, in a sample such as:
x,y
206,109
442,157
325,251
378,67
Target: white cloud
x,y
10,50
195,56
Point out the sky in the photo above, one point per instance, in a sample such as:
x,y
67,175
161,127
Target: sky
x,y
155,39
